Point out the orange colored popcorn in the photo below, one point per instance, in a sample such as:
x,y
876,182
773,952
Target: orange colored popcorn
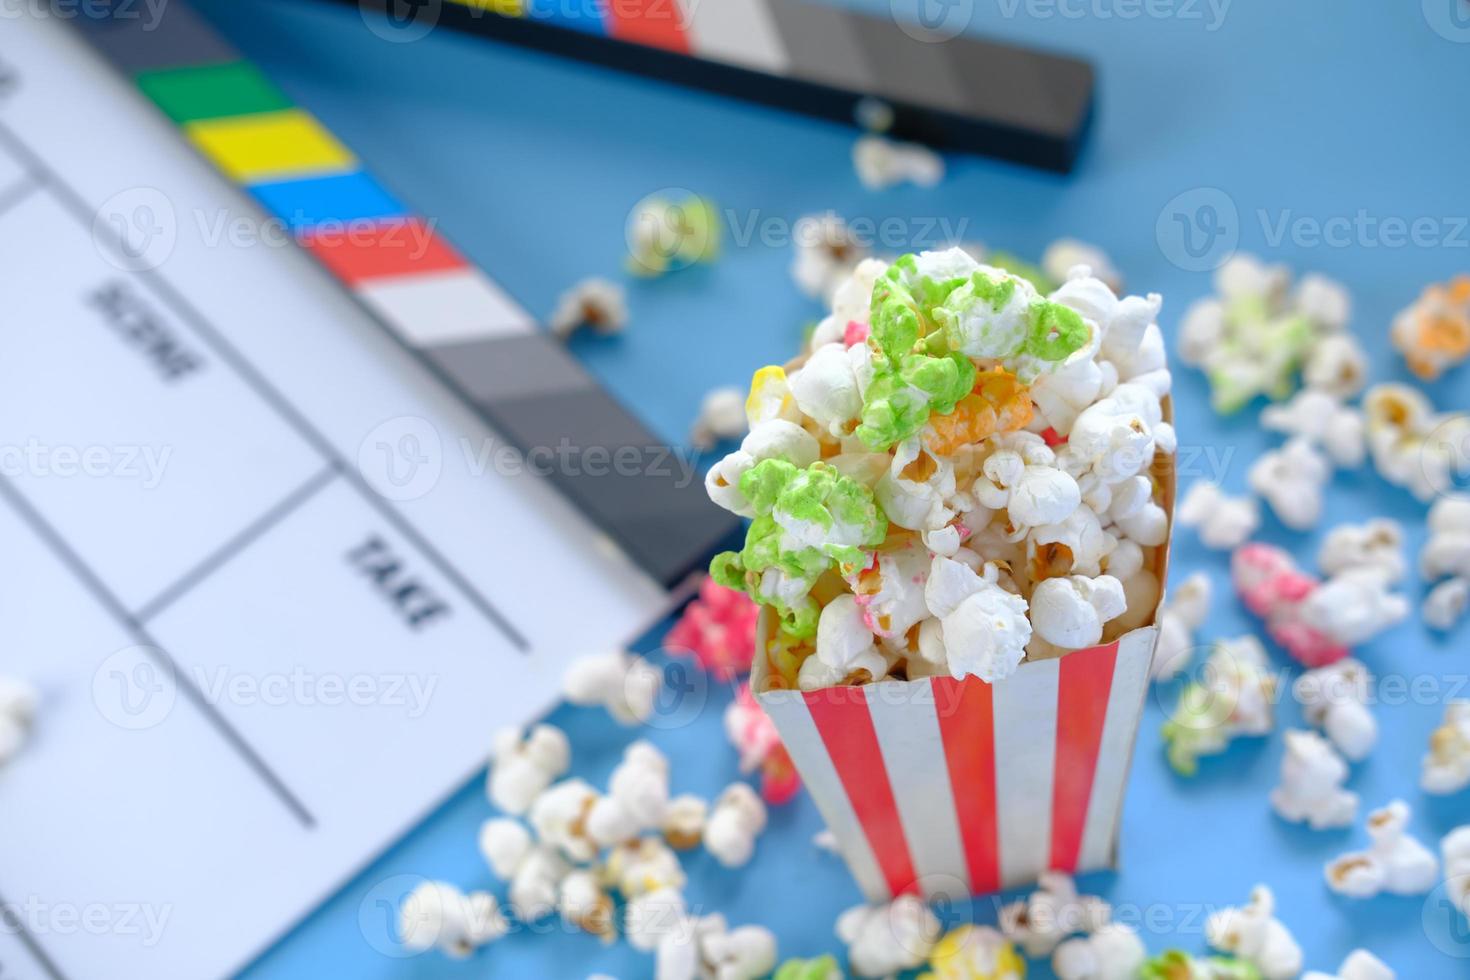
x,y
998,403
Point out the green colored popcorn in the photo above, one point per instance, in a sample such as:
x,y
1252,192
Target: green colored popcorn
x,y
899,402
666,234
975,317
817,968
1175,964
1057,332
928,291
1199,726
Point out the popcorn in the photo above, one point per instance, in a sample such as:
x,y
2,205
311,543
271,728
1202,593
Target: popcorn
x,y
584,905
1065,254
1224,522
827,388
521,769
1070,612
984,627
536,883
1443,607
1335,699
1359,965
1311,790
653,916
736,820
1446,769
916,490
1254,337
1052,913
625,685
637,797
1175,964
769,438
881,163
754,736
559,817
1447,552
1292,480
1399,421
1433,334
1323,422
718,628
1022,479
886,939
890,590
1235,697
819,968
436,915
1116,438
17,713
1179,617
504,844
596,303
827,253
974,953
1395,862
1455,850
1254,934
668,234
708,947
1113,952
1337,366
721,416
643,866
1377,545
684,820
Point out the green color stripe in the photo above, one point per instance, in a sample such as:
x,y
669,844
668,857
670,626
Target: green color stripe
x,y
234,88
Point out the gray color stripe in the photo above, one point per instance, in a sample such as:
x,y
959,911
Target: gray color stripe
x,y
908,70
133,40
823,44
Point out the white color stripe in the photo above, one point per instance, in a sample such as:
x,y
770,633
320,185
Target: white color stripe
x,y
792,719
1025,756
741,32
445,307
913,752
1120,728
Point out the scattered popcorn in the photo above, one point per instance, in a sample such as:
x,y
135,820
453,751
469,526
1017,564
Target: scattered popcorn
x,y
735,821
1112,952
1455,850
754,736
1446,769
1377,545
1434,333
17,713
637,797
718,627
974,953
584,905
684,821
559,817
1175,964
1443,607
1065,254
439,916
709,948
1447,552
1293,480
881,163
1359,965
1323,422
1254,934
1335,699
1337,366
1255,336
1311,790
827,255
521,769
818,968
624,684
1395,862
643,866
1399,421
534,871
1180,616
721,416
1052,913
666,234
652,916
886,939
1224,522
597,304
1235,697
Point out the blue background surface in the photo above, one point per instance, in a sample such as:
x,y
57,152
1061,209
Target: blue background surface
x,y
1308,110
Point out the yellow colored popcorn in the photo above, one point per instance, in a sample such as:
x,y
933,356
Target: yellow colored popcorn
x,y
975,953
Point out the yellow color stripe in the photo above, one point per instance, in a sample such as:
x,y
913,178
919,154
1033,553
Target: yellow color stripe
x,y
506,8
270,145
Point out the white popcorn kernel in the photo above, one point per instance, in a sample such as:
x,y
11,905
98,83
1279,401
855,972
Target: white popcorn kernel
x,y
1125,561
1337,365
559,817
521,769
826,389
1201,331
1311,790
1455,850
1070,612
1335,699
1446,552
890,593
843,638
584,905
596,303
887,939
1246,276
915,491
436,915
1038,923
1148,526
985,628
814,674
735,821
1359,965
1394,862
1324,301
1084,289
1114,952
1292,480
1254,934
881,163
1181,615
637,797
744,953
643,866
1443,607
1076,546
1377,545
504,844
18,701
624,684
684,821
828,255
1323,421
534,887
721,416
1353,607
651,916
1116,436
1446,768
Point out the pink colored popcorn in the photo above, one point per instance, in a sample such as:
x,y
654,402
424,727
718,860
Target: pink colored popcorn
x,y
754,736
1272,587
718,628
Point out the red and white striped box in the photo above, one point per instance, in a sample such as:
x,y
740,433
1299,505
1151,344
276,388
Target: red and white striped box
x,y
950,788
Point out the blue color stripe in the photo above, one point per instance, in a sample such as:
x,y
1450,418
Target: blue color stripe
x,y
579,15
313,201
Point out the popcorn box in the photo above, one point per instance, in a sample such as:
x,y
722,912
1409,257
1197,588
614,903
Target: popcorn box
x,y
951,788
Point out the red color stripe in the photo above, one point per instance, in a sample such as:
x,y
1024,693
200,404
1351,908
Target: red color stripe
x,y
1084,689
381,250
967,725
842,718
655,23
